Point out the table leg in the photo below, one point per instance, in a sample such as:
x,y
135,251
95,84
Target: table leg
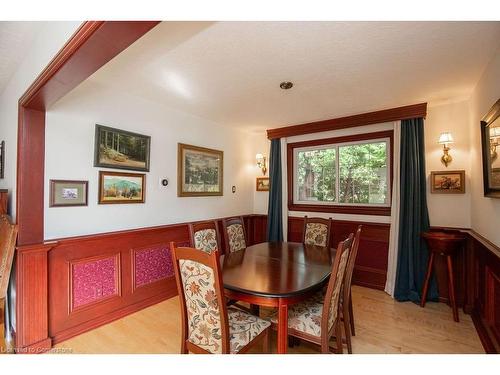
x,y
282,328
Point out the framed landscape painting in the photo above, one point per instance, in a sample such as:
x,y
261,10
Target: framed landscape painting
x,y
121,187
448,182
262,184
65,193
200,171
115,148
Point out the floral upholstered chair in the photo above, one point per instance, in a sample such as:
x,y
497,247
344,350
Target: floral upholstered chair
x,y
317,318
205,236
346,297
317,231
234,233
208,325
8,236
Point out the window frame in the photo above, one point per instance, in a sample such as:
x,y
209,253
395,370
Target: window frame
x,y
345,208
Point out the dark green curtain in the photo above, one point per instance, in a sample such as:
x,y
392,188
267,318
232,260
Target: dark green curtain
x,y
413,216
274,213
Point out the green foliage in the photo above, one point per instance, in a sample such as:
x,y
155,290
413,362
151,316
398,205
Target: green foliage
x,y
362,174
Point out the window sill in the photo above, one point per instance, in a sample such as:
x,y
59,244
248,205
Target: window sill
x,y
358,210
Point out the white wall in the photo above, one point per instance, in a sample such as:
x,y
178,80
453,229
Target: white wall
x,y
70,127
485,212
262,145
50,40
449,210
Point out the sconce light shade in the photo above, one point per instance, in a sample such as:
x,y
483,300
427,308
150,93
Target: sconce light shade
x,y
261,163
495,132
445,138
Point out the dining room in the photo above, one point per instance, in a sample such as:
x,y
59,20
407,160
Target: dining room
x,y
259,187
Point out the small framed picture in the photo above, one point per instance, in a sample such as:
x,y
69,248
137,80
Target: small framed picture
x,y
66,193
262,184
448,182
120,149
121,187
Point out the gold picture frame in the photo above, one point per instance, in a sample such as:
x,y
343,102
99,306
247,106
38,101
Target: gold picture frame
x,y
448,182
121,187
262,184
200,171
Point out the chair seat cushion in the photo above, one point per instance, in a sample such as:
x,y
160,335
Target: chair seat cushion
x,y
305,316
243,328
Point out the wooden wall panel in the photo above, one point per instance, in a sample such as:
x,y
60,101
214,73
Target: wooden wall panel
x,y
371,263
65,322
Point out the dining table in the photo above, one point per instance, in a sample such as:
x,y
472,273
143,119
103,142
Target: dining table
x,y
276,274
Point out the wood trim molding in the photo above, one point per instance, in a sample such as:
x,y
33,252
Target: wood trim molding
x,y
341,209
369,118
93,45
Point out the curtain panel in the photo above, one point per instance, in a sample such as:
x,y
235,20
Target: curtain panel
x,y
413,215
275,213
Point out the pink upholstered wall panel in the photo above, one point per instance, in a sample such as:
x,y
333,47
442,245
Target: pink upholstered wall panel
x,y
94,280
152,264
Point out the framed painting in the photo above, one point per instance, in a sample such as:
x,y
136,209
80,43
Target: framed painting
x,y
121,187
262,184
490,142
66,193
199,171
120,149
448,182
2,159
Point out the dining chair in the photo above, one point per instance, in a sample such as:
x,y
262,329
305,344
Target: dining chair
x,y
8,236
346,298
205,235
234,233
208,325
317,319
317,231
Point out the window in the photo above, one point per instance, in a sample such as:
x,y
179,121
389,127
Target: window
x,y
347,174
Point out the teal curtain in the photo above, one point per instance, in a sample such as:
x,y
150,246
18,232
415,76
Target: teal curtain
x,y
274,213
413,216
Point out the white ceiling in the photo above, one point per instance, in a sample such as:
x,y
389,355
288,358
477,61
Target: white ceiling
x,y
15,39
229,72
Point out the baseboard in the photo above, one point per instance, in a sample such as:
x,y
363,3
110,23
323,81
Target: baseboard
x,y
108,318
36,348
483,333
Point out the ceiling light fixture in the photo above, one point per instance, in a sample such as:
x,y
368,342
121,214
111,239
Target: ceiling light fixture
x,y
286,85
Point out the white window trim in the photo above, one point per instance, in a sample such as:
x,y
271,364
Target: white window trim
x,y
336,146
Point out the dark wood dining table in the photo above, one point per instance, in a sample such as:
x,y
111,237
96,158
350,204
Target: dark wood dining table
x,y
276,274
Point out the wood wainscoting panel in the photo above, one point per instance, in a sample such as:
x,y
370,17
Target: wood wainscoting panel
x,y
371,263
140,260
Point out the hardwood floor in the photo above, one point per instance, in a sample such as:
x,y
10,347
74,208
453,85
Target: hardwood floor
x,y
382,326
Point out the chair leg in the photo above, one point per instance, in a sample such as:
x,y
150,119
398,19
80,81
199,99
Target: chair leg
x,y
427,280
338,337
184,347
451,288
3,344
351,316
266,344
347,327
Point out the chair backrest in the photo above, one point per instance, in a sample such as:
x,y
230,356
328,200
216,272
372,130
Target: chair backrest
x,y
8,237
332,296
205,326
234,233
346,294
317,231
205,235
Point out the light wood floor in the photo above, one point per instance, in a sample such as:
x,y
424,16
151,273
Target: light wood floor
x,y
382,326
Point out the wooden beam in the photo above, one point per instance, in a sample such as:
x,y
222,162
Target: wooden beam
x,y
393,114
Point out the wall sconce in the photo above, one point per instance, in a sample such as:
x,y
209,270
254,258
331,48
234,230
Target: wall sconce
x,y
262,163
494,142
445,139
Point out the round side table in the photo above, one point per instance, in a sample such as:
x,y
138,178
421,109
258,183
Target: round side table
x,y
445,244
